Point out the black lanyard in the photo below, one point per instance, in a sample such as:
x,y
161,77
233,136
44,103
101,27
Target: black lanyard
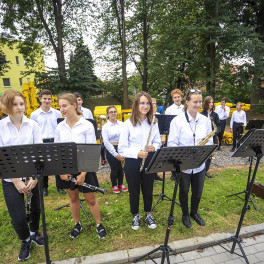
x,y
188,121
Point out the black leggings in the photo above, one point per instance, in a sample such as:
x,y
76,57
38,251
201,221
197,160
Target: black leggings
x,y
221,133
135,180
237,131
196,181
116,174
16,208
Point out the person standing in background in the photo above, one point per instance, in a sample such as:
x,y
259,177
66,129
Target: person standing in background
x,y
46,117
238,120
176,108
87,114
223,112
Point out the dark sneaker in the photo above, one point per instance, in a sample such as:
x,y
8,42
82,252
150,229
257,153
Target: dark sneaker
x,y
61,191
158,178
233,149
76,231
186,221
198,219
24,251
101,231
136,222
38,239
208,175
150,221
45,192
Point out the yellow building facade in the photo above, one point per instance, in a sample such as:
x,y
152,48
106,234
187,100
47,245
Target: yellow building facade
x,y
13,77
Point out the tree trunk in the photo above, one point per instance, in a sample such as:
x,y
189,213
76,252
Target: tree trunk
x,y
145,49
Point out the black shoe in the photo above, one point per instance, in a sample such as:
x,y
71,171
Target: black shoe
x,y
219,148
101,231
38,239
24,251
76,230
186,221
208,175
45,192
197,219
158,178
233,149
61,191
173,178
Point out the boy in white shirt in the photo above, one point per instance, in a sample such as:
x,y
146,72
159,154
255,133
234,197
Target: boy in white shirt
x,y
238,120
87,114
46,117
176,107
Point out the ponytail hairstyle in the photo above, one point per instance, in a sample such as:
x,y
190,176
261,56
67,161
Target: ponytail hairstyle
x,y
71,98
189,95
135,116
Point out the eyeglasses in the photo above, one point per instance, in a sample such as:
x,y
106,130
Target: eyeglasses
x,y
112,112
145,104
194,91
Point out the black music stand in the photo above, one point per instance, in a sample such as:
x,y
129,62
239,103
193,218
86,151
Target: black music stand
x,y
252,126
38,160
253,146
88,156
164,129
177,159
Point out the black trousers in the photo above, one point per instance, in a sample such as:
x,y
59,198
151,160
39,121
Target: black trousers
x,y
237,131
135,180
116,174
196,180
16,208
46,178
221,133
102,153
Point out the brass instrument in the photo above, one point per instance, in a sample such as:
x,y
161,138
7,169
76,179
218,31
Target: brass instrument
x,y
152,123
205,140
28,202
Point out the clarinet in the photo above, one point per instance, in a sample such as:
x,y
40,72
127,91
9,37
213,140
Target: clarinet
x,y
28,203
86,185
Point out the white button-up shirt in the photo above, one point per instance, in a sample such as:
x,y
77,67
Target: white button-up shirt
x,y
111,133
183,133
238,117
133,139
47,121
223,114
29,133
174,110
87,114
81,132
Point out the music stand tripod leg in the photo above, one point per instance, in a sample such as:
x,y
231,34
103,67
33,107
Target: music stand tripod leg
x,y
80,202
39,176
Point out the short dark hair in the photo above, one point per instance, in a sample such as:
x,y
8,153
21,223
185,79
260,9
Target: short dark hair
x,y
77,94
45,92
224,99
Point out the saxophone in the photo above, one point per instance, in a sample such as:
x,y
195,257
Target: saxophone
x,y
28,202
205,140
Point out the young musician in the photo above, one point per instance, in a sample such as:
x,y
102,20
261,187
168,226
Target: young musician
x,y
87,114
208,111
132,144
223,112
176,108
17,129
188,129
74,128
238,120
46,117
111,132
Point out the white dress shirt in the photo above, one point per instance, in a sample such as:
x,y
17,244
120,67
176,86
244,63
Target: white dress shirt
x,y
81,132
182,133
87,114
174,109
223,114
238,117
111,133
29,133
47,121
133,139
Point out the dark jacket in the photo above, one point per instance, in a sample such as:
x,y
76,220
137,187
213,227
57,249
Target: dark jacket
x,y
215,117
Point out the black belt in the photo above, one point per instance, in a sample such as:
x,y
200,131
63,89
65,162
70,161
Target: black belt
x,y
48,140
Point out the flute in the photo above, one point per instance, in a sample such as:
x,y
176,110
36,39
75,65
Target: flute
x,y
86,185
152,123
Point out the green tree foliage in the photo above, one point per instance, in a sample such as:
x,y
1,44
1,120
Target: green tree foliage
x,y
3,63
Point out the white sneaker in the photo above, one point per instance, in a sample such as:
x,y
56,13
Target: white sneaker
x,y
150,221
136,222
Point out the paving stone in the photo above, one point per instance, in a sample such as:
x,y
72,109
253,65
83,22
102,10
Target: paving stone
x,y
248,242
189,262
66,261
259,239
207,252
234,261
176,259
219,258
252,230
259,247
220,236
260,256
138,252
192,255
205,260
185,245
219,249
250,250
252,259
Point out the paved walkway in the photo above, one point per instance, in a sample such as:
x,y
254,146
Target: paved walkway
x,y
188,251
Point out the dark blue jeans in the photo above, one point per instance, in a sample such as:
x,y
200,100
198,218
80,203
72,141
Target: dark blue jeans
x,y
16,208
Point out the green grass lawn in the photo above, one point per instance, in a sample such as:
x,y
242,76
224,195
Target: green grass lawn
x,y
220,214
